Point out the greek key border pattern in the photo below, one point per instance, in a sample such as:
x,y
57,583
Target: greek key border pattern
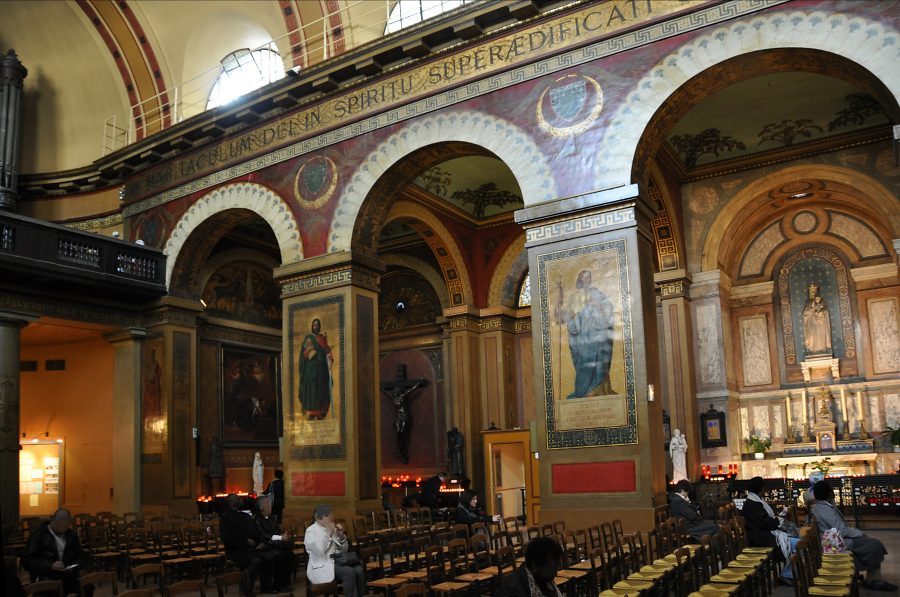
x,y
105,222
576,225
656,32
329,279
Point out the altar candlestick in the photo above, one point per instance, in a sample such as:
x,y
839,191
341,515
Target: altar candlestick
x,y
787,406
805,414
859,410
844,414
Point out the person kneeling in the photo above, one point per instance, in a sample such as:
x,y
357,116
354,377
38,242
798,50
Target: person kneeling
x,y
325,544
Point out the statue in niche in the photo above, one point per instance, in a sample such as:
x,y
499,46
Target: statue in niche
x,y
399,391
678,448
455,452
824,414
257,474
816,324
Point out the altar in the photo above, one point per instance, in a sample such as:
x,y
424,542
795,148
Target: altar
x,y
851,464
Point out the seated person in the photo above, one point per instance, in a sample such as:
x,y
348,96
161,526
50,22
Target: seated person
x,y
430,493
246,546
867,551
808,497
764,527
468,510
324,540
54,553
543,558
680,506
280,543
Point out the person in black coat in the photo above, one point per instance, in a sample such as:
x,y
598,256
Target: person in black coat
x,y
430,494
276,491
246,546
468,511
54,553
680,506
280,543
758,523
543,558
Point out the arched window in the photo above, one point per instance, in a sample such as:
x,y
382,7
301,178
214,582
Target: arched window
x,y
525,292
242,72
410,12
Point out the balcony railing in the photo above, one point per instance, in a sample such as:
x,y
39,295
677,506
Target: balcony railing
x,y
35,252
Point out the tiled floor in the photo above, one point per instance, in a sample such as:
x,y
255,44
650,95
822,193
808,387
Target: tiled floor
x,y
890,570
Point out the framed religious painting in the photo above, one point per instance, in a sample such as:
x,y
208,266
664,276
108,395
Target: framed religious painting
x,y
251,402
712,428
315,417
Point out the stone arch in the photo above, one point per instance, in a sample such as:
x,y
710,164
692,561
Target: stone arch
x,y
453,267
249,196
866,43
882,201
509,143
432,276
508,274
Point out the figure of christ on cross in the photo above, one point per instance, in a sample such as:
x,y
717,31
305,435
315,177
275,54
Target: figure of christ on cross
x,y
399,392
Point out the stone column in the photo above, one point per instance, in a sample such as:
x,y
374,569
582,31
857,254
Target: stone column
x,y
10,326
126,429
335,457
714,357
12,73
466,369
591,264
677,352
498,382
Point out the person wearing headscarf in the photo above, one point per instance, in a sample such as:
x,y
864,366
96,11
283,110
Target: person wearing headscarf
x,y
867,551
764,527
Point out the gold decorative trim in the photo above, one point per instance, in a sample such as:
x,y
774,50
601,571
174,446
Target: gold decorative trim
x,y
577,225
94,224
331,278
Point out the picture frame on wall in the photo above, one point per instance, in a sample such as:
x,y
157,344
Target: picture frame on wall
x,y
713,431
250,397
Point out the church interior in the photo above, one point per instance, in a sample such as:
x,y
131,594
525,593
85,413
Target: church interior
x,y
568,251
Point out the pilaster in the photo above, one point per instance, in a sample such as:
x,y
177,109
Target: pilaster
x,y
465,373
498,383
600,434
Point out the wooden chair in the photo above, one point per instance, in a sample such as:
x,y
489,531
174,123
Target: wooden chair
x,y
136,593
186,586
45,587
236,579
327,589
410,590
97,578
139,575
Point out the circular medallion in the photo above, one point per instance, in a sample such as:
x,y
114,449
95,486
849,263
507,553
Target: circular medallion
x,y
315,182
149,228
569,106
805,222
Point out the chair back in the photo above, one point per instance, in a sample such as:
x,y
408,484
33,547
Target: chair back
x,y
136,593
97,578
410,589
237,579
45,587
186,586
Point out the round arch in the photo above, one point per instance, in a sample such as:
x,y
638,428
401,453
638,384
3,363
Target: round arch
x,y
512,267
422,268
506,141
453,267
248,196
868,44
882,201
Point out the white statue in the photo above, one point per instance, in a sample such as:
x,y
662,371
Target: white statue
x,y
257,474
677,449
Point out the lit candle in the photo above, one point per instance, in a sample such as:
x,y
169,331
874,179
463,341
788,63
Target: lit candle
x,y
844,405
787,408
803,396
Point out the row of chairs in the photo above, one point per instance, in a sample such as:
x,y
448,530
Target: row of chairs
x,y
231,583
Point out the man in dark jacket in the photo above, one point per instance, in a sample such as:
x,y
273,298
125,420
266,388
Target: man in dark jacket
x,y
53,552
246,546
680,506
276,492
280,543
430,494
543,557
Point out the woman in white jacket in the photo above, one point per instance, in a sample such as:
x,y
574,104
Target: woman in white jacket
x,y
323,539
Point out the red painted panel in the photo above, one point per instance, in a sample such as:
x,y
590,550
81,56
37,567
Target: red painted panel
x,y
313,484
594,477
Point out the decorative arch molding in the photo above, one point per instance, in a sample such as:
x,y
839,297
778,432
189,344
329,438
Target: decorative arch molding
x,y
249,196
424,269
440,241
866,43
511,269
717,244
226,257
509,143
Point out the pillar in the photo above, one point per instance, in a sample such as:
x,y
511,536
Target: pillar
x,y
591,264
10,326
498,383
12,73
466,370
677,352
335,457
126,428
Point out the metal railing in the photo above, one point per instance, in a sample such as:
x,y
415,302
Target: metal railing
x,y
310,44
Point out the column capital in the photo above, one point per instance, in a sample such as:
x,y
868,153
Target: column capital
x,y
17,318
462,319
125,335
710,283
332,270
173,310
673,284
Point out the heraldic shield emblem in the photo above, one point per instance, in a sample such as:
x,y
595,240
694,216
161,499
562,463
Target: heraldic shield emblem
x,y
570,105
568,100
315,181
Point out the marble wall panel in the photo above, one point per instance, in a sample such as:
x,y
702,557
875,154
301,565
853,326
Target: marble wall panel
x,y
755,357
710,363
884,331
760,425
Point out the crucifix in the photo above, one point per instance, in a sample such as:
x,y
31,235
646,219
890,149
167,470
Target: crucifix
x,y
399,392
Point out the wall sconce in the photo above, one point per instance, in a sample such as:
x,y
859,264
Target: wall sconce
x,y
650,394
